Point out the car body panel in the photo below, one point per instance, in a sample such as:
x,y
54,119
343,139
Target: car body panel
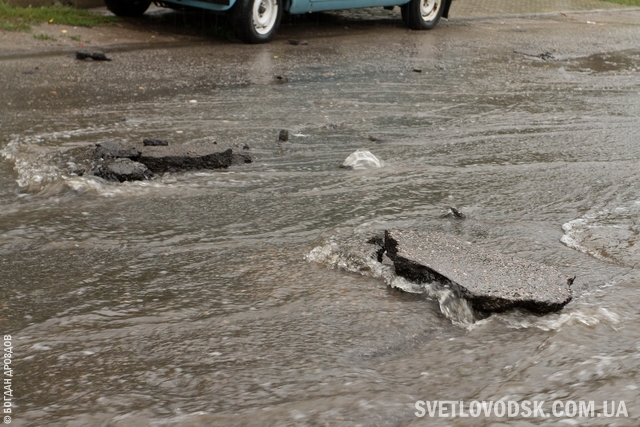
x,y
300,6
221,6
304,6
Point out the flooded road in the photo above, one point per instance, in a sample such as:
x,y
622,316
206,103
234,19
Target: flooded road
x,y
189,300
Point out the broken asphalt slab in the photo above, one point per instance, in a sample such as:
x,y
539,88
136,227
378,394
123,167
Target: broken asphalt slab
x,y
115,150
173,158
489,280
120,170
148,159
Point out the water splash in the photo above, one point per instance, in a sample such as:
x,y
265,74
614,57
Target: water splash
x,y
355,256
609,234
586,315
51,171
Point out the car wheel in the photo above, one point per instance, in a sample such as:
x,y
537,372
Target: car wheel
x,y
256,21
422,14
127,7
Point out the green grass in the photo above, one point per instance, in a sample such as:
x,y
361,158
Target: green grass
x,y
21,18
44,37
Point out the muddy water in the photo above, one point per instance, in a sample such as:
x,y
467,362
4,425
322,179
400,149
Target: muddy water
x,y
189,300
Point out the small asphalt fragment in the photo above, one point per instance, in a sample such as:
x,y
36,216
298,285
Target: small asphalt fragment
x,y
96,56
377,139
545,56
152,142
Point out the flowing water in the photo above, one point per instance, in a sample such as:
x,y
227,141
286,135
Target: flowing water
x,y
200,298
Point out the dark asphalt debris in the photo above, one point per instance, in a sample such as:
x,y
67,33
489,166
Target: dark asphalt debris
x,y
454,213
96,56
151,142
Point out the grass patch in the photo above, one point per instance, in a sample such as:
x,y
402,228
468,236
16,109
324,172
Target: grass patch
x,y
20,18
44,37
14,26
627,2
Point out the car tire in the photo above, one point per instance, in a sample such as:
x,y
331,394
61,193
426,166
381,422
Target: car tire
x,y
422,14
127,7
256,21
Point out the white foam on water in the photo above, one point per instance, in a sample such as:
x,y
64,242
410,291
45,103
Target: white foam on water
x,y
608,234
37,172
585,315
574,236
33,161
34,172
334,255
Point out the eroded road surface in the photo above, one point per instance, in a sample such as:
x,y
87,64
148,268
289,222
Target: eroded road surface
x,y
189,299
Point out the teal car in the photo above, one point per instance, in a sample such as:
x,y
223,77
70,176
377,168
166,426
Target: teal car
x,y
256,21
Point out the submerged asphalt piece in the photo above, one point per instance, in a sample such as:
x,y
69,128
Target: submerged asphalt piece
x,y
174,158
152,142
489,280
115,150
120,170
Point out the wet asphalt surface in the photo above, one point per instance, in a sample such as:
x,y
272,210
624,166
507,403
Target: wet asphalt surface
x,y
187,300
170,54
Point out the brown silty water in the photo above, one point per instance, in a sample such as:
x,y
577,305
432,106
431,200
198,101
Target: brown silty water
x,y
192,299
